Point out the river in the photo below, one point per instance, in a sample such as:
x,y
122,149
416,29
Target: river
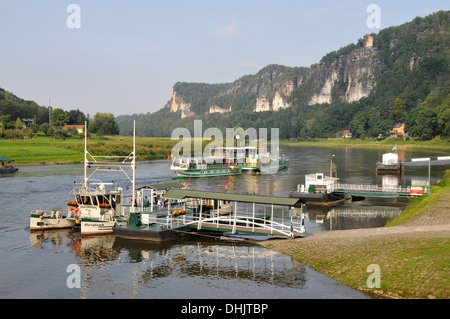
x,y
35,265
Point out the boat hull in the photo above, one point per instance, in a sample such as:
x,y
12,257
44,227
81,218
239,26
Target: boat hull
x,y
90,227
38,224
150,233
268,169
388,168
319,198
207,173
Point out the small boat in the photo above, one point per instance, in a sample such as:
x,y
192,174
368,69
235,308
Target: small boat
x,y
52,219
318,190
7,168
389,164
101,208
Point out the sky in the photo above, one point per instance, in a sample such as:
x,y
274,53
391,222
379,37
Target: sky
x,y
123,57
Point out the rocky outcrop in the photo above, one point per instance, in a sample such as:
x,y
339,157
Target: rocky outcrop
x,y
178,104
347,77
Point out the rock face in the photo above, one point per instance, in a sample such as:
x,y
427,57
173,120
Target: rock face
x,y
347,77
177,104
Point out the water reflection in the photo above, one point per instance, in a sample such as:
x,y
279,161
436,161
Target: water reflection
x,y
141,268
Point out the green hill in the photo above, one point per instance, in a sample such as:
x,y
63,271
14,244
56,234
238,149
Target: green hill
x,y
400,74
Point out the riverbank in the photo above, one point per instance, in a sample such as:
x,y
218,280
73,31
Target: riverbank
x,y
388,143
43,150
413,256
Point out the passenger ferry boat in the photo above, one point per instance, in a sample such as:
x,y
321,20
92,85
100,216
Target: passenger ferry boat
x,y
228,161
95,206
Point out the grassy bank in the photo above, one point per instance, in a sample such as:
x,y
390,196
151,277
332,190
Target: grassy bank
x,y
418,207
436,143
43,149
413,255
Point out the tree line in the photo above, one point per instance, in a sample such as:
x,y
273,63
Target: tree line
x,y
24,119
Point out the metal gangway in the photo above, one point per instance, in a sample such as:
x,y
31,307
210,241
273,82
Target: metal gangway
x,y
278,223
367,190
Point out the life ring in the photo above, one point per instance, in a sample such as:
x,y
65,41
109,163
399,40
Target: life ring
x,y
75,211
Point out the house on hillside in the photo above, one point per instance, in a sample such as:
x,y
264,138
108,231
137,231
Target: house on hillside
x,y
80,128
347,134
399,129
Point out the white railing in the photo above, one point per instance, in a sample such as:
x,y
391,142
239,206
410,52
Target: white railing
x,y
248,224
371,188
235,224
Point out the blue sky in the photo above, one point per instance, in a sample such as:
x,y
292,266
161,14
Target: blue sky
x,y
126,55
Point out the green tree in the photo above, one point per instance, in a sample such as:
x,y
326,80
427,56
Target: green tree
x,y
360,124
18,124
398,111
104,124
60,117
423,123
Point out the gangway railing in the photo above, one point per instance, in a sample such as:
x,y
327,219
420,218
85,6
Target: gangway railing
x,y
234,224
371,188
252,225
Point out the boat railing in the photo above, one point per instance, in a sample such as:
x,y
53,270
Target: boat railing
x,y
48,213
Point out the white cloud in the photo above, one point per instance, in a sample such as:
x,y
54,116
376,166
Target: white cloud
x,y
223,32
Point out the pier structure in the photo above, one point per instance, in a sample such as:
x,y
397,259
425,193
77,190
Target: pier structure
x,y
363,190
250,215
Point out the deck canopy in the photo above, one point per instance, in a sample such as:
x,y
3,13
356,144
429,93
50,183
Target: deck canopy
x,y
5,159
257,199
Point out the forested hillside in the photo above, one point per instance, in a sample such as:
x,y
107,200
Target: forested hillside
x,y
400,74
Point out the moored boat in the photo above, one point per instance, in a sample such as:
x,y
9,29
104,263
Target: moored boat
x,y
52,219
318,190
390,164
95,209
7,168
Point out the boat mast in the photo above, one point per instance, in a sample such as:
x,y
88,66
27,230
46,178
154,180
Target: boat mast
x,y
133,163
85,154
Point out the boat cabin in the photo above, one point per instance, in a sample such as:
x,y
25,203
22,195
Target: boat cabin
x,y
318,183
100,199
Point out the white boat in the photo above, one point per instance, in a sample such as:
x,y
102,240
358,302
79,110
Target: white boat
x,y
51,219
318,190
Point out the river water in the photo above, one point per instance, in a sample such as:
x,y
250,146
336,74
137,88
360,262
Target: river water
x,y
35,265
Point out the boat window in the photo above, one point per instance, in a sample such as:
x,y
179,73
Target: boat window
x,y
86,200
101,199
94,200
117,199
